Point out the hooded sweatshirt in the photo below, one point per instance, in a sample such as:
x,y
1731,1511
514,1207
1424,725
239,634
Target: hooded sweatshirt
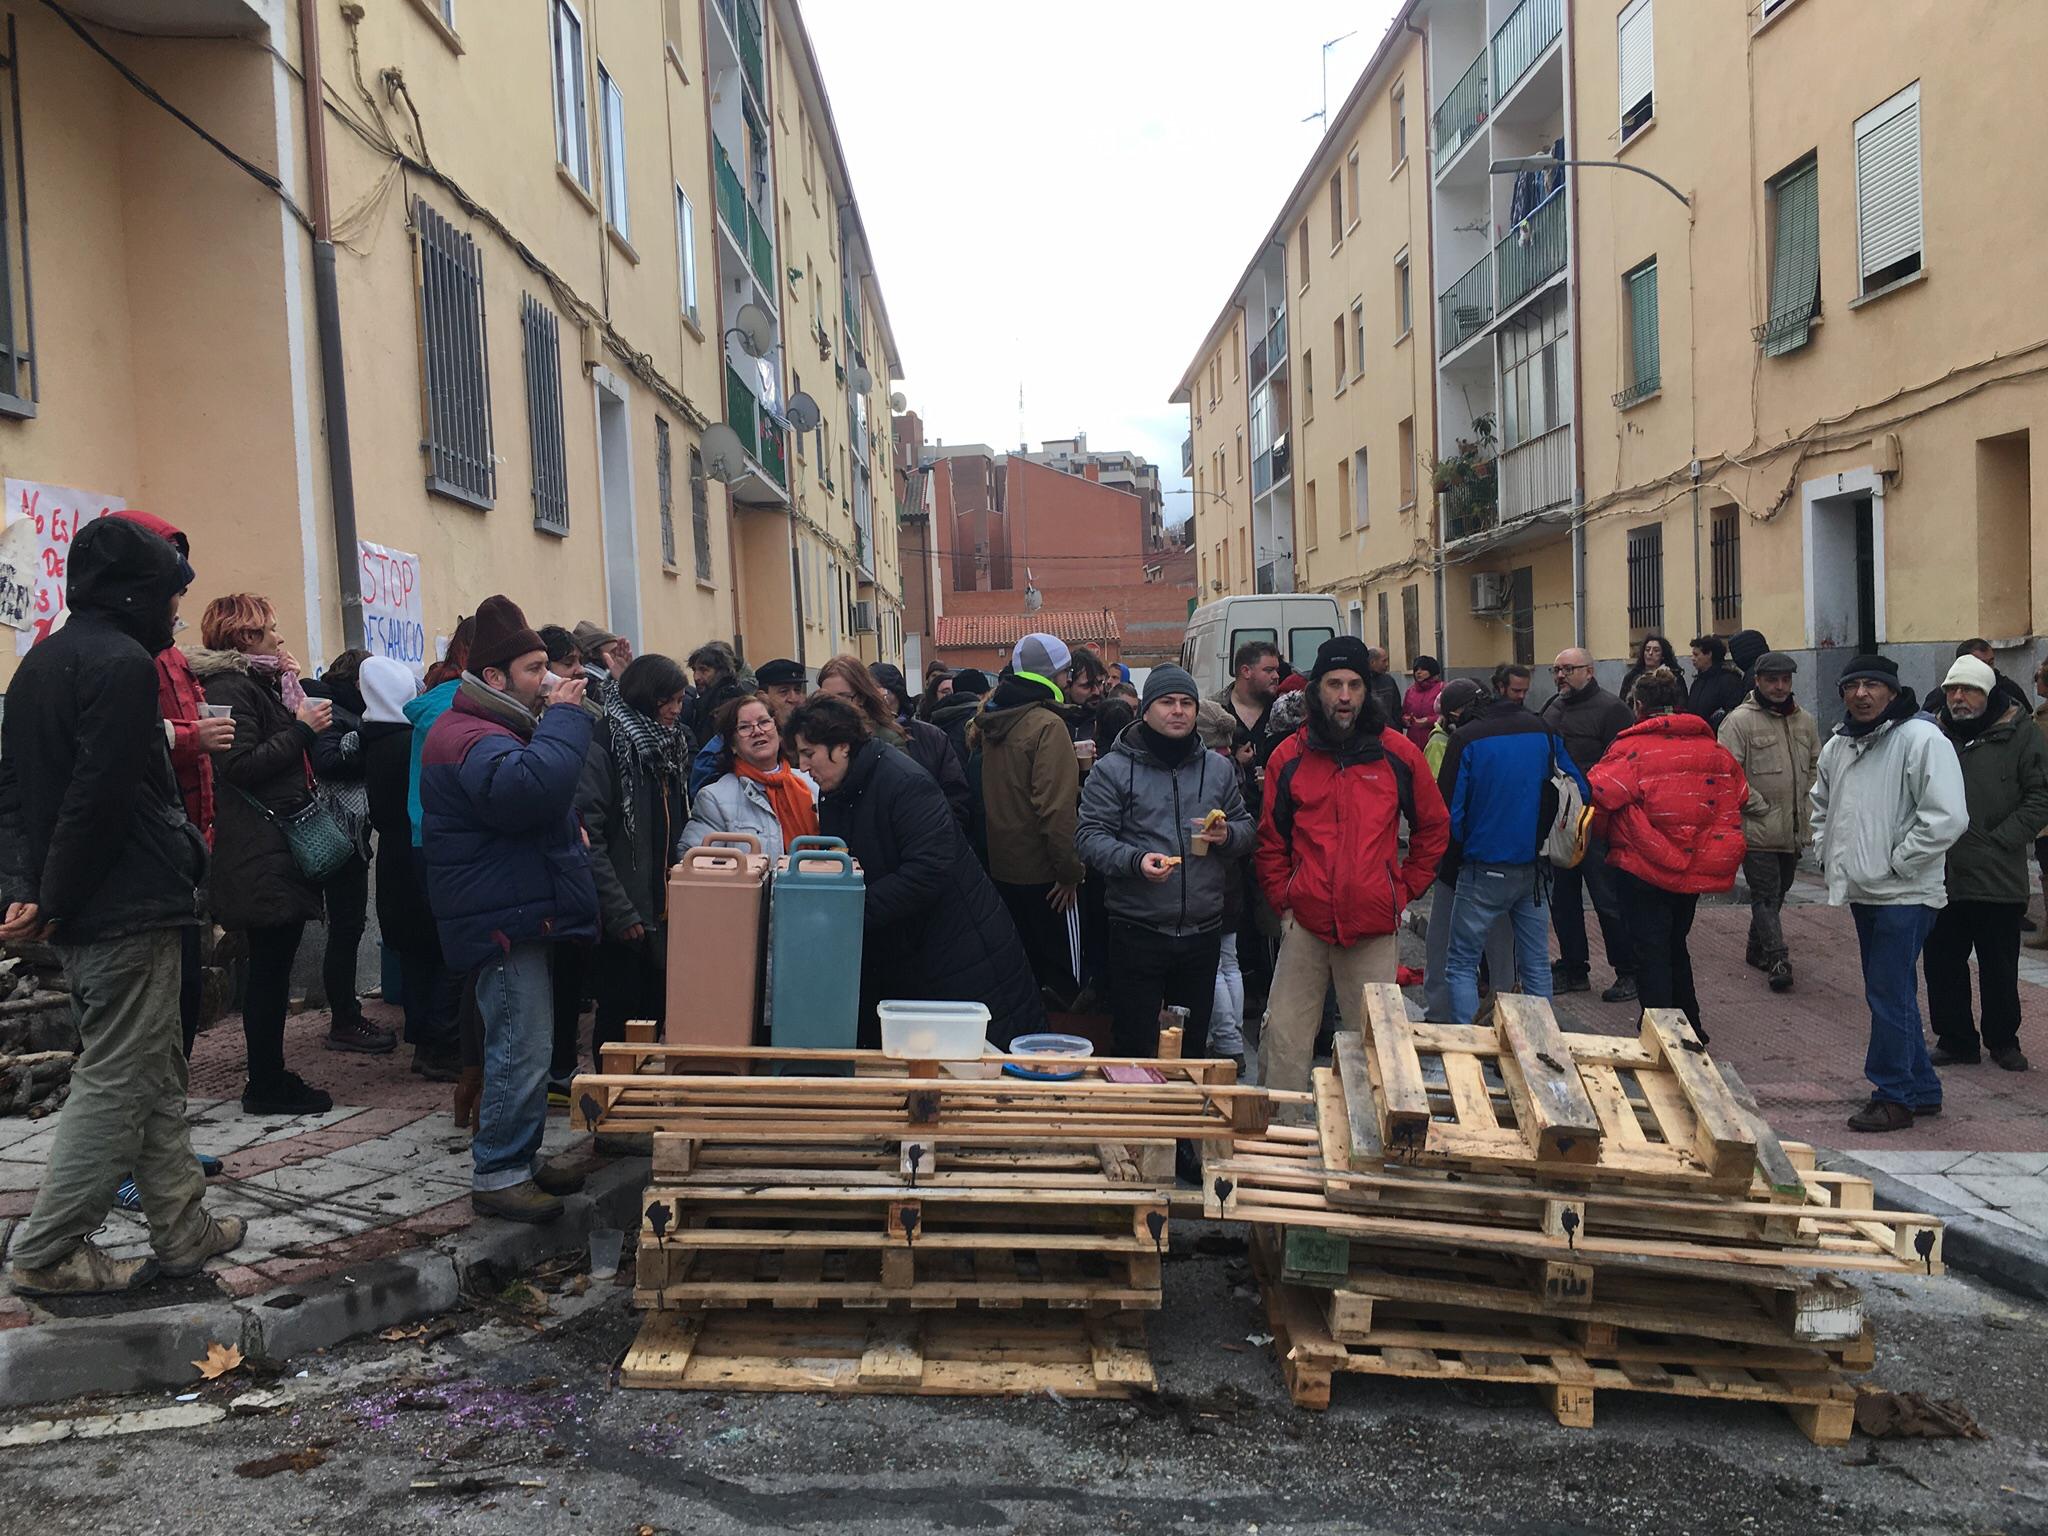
x,y
1140,800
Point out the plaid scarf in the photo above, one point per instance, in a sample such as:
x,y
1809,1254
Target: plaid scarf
x,y
640,743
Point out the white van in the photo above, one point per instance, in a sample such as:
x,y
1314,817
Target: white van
x,y
1297,622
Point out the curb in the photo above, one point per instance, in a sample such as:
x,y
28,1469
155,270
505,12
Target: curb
x,y
2012,1261
140,1351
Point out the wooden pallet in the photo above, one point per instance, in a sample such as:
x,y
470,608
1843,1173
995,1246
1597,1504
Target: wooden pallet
x,y
1568,1375
803,1279
927,1354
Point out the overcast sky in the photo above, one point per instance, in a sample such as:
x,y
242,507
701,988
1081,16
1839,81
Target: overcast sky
x,y
1061,194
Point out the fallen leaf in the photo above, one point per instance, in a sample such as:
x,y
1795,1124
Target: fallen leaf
x,y
300,1462
394,1335
220,1359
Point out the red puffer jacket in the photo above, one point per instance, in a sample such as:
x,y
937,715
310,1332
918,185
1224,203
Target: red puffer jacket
x,y
1669,798
1329,850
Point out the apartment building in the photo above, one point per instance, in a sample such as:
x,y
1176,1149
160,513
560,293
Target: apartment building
x,y
1312,399
464,330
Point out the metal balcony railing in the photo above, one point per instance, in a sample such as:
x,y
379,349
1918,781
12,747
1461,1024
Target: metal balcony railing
x,y
1532,27
773,457
1276,341
761,249
758,431
732,197
1463,110
1258,359
1536,475
747,33
1464,522
1464,308
1262,473
1187,455
1532,253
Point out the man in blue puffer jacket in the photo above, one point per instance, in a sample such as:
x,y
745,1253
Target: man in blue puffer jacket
x,y
508,874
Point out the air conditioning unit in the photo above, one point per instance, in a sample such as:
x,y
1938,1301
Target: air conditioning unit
x,y
863,618
1492,592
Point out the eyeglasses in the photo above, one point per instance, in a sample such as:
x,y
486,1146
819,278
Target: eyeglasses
x,y
1563,671
756,727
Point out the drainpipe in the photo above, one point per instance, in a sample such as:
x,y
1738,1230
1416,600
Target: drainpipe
x,y
341,476
1435,361
1578,364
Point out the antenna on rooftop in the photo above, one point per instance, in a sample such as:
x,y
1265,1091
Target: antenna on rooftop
x,y
1324,113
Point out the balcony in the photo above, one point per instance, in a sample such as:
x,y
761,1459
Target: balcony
x,y
1463,110
1533,27
761,249
1187,455
1258,359
732,197
743,20
1536,475
1465,308
1532,253
1276,344
762,436
1270,467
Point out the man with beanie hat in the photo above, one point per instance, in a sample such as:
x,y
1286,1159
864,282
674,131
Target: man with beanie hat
x,y
1777,745
1887,805
1163,823
1030,791
1462,702
1329,858
2005,788
1587,718
508,875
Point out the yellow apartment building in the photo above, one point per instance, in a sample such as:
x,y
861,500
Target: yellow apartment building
x,y
506,384
1312,398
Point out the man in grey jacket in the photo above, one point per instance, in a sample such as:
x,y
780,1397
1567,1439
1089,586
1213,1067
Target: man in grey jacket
x,y
1777,744
1162,821
1887,804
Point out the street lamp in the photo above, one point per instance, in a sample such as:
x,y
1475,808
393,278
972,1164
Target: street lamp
x,y
1514,165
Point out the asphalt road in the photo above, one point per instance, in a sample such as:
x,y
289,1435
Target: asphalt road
x,y
1221,1450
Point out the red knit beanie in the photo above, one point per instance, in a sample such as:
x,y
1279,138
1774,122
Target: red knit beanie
x,y
501,637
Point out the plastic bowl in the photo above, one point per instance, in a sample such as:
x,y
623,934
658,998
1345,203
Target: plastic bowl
x,y
1059,1050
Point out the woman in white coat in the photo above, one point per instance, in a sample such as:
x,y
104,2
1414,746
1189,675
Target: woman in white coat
x,y
755,791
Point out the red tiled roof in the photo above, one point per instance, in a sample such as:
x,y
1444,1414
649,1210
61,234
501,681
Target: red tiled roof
x,y
978,631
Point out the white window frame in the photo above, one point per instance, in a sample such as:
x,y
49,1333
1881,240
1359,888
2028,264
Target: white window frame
x,y
1868,125
1404,295
572,104
686,252
1639,12
1361,495
612,118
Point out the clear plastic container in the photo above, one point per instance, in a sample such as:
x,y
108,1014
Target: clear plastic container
x,y
933,1031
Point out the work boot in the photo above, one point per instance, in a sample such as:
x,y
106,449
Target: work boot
x,y
291,1094
556,1177
222,1234
437,1066
1623,991
2010,1057
1946,1055
1881,1115
525,1201
1562,981
361,1036
1781,976
85,1271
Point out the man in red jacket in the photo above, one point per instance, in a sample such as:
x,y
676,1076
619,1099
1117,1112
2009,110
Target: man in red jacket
x,y
1329,856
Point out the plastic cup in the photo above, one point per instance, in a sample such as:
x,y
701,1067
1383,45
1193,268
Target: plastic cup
x,y
216,711
1196,843
606,1244
1084,750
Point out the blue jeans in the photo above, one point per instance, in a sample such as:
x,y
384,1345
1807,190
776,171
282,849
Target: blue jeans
x,y
1891,939
1436,981
515,993
1485,892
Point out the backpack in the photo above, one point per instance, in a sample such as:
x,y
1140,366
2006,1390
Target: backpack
x,y
1568,820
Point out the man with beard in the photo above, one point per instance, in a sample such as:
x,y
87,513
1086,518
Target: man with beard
x,y
1329,858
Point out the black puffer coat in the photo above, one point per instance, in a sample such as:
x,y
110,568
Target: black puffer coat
x,y
935,929
255,881
403,915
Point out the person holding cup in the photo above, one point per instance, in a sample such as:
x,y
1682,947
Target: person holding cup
x,y
1149,826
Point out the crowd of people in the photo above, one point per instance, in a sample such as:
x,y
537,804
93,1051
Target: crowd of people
x,y
1045,840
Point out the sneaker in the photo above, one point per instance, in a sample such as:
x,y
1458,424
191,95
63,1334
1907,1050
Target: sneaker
x,y
1623,991
1755,961
2011,1058
289,1095
357,1035
1946,1055
526,1202
1927,1111
1781,976
1882,1115
209,1165
85,1271
436,1067
222,1234
127,1196
556,1177
558,1095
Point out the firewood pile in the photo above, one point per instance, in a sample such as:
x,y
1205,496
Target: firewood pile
x,y
38,1044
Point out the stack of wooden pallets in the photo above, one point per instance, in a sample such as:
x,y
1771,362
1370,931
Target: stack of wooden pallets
x,y
1512,1202
894,1228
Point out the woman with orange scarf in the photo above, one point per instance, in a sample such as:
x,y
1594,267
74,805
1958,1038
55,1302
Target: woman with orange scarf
x,y
755,790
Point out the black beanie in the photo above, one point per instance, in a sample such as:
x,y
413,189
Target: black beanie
x,y
1341,653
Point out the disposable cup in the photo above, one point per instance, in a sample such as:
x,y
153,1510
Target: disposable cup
x,y
606,1243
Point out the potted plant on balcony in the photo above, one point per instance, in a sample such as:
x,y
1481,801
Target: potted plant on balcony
x,y
1465,484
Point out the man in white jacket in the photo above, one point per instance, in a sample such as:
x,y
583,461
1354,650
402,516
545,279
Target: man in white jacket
x,y
1887,803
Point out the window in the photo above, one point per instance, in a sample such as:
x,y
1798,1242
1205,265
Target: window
x,y
1236,352
1358,337
1405,444
1354,619
542,333
1638,69
1645,376
664,479
613,106
572,133
1404,313
1361,501
700,515
1336,210
1411,624
1386,630
1397,102
1351,182
458,397
1792,205
1536,376
1343,495
19,382
1645,580
1888,191
1308,386
1337,352
686,252
1309,513
1301,247
672,32
1726,551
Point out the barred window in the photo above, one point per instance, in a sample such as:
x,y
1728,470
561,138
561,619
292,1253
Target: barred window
x,y
1645,579
458,395
700,515
544,415
1727,569
19,385
664,475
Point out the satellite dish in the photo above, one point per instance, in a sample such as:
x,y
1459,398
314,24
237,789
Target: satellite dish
x,y
899,402
803,412
861,380
724,453
757,331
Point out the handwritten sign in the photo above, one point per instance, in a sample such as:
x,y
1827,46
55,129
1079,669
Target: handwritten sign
x,y
56,513
18,565
392,622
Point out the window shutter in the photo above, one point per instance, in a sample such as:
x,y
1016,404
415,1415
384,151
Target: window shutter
x,y
1646,366
1638,68
1888,183
1795,261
